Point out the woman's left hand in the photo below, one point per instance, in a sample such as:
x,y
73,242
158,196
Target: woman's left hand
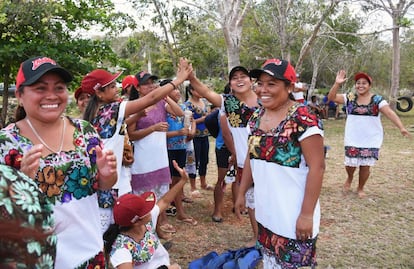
x,y
304,228
106,162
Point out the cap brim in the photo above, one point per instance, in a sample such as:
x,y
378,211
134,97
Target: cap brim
x,y
149,204
145,79
114,77
67,77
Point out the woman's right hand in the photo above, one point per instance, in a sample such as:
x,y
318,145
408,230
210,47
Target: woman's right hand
x,y
160,127
31,161
184,70
341,77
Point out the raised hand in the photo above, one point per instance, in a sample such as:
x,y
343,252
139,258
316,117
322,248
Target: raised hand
x,y
341,77
106,162
184,69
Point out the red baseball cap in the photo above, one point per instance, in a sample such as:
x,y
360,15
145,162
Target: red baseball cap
x,y
98,79
79,91
130,208
129,80
33,69
363,75
277,68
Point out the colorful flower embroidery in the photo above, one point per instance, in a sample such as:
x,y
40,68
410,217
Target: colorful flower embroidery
x,y
289,253
13,158
61,176
238,113
21,199
353,152
141,251
97,262
372,109
27,197
105,123
278,145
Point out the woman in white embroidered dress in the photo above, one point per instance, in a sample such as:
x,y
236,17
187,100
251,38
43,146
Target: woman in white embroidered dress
x,y
363,128
107,113
64,156
286,163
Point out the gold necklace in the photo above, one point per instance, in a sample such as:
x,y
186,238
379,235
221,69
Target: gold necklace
x,y
43,142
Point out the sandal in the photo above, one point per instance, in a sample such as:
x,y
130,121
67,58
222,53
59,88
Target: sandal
x,y
171,211
217,219
168,228
188,220
208,188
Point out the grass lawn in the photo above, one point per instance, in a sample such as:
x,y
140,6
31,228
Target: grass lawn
x,y
375,232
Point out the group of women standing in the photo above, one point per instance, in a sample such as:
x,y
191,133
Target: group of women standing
x,y
277,144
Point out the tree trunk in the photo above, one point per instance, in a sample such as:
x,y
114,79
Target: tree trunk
x,y
5,102
395,80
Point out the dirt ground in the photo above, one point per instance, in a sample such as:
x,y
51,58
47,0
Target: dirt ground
x,y
375,232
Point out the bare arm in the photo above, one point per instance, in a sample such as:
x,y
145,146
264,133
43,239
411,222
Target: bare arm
x,y
173,108
227,137
245,184
184,69
165,201
204,91
332,95
393,117
313,151
139,134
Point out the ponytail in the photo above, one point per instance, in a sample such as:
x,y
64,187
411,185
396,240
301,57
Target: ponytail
x,y
91,108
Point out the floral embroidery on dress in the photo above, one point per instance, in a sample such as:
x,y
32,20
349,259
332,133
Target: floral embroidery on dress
x,y
105,122
289,253
238,113
141,251
365,153
61,176
280,145
21,199
372,109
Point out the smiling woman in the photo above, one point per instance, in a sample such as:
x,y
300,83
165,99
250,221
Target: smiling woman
x,y
62,156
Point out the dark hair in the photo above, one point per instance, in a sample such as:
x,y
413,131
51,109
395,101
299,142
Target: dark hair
x,y
227,89
92,107
133,94
20,113
188,92
110,235
165,82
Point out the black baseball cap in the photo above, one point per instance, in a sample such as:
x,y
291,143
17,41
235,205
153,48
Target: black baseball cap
x,y
143,76
33,69
238,68
277,68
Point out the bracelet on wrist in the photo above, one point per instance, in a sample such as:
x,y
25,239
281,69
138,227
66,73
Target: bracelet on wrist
x,y
175,87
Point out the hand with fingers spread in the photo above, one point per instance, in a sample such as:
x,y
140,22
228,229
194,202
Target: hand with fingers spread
x,y
341,77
